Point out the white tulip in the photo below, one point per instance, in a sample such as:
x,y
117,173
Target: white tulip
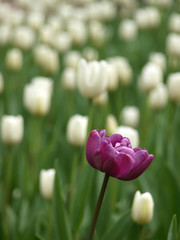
x,y
173,45
174,22
127,30
173,84
158,97
142,208
77,130
151,76
92,78
24,37
12,129
130,133
101,99
111,124
72,59
130,116
68,79
46,183
62,42
37,99
159,59
14,59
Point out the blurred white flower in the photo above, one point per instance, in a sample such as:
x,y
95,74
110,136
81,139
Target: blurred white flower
x,y
1,83
111,124
14,59
173,85
35,20
97,33
77,30
46,183
47,58
12,129
127,30
5,34
173,45
92,78
174,22
37,96
101,99
158,97
68,79
151,76
62,41
130,133
142,208
130,116
113,80
77,130
46,34
123,69
159,59
90,54
72,58
23,37
148,17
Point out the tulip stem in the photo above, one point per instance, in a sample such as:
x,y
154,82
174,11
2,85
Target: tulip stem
x,y
98,207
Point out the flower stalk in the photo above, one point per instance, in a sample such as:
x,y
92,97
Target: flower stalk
x,y
98,207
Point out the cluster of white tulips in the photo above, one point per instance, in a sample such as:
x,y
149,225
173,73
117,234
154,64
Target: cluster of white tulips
x,y
66,68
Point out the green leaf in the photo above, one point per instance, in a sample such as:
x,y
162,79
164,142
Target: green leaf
x,y
60,217
172,233
79,201
120,228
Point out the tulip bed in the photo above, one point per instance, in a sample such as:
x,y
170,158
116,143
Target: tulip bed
x,y
49,46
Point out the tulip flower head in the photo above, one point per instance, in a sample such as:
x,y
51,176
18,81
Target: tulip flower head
x,y
115,156
142,208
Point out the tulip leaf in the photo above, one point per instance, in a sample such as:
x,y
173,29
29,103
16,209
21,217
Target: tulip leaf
x,y
119,229
172,233
60,217
80,198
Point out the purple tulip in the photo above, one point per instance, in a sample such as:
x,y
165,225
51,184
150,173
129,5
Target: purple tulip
x,y
115,156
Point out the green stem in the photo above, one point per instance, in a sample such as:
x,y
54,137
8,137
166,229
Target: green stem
x,y
98,207
49,228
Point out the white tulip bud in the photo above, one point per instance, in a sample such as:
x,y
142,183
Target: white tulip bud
x,y
68,79
127,30
159,59
113,81
92,78
1,83
43,82
142,208
111,124
90,54
72,59
46,183
130,116
37,99
101,99
123,69
12,129
77,130
62,42
14,59
173,45
150,77
174,22
173,84
46,34
158,97
77,30
98,33
130,133
47,58
5,34
24,37
35,20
